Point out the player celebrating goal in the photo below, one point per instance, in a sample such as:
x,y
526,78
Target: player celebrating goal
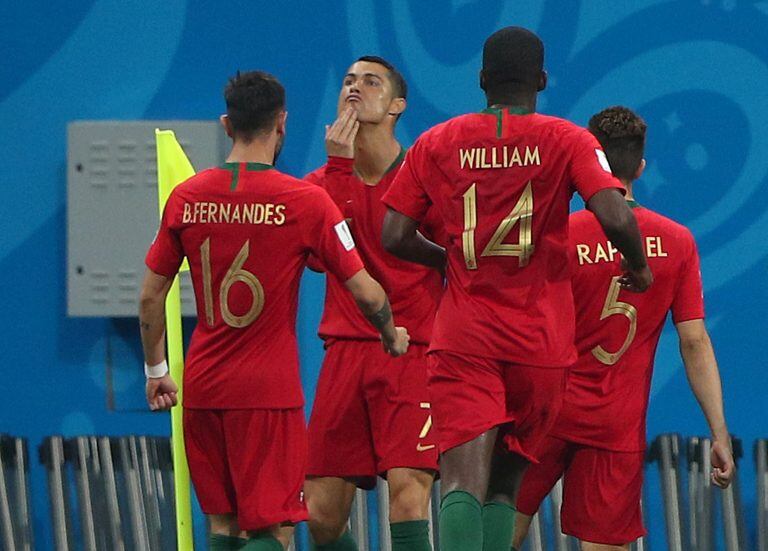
x,y
371,413
503,334
598,441
247,231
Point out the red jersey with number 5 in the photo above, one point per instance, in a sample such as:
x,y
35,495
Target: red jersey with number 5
x,y
617,331
247,231
502,183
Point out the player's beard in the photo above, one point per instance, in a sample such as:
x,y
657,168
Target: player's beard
x,y
278,148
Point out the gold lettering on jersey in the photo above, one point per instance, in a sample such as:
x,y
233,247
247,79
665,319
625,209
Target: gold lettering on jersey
x,y
654,248
498,157
606,252
206,212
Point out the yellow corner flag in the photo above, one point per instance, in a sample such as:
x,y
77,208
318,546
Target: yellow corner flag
x,y
173,167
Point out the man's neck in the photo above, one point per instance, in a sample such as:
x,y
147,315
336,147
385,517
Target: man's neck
x,y
628,185
376,148
258,151
525,103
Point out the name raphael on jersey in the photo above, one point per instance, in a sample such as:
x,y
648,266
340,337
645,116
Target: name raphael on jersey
x,y
206,212
606,252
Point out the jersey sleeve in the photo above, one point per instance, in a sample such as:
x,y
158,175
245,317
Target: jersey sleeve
x,y
688,303
166,253
330,240
589,168
334,177
407,194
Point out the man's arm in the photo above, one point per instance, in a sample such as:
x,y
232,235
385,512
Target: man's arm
x,y
704,378
161,389
619,224
400,237
374,304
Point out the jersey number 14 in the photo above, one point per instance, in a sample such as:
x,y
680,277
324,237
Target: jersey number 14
x,y
522,213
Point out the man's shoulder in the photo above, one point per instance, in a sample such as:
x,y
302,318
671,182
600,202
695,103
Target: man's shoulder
x,y
316,176
657,221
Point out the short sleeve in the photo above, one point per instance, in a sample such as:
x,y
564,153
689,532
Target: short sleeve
x,y
407,194
166,253
688,303
589,168
330,240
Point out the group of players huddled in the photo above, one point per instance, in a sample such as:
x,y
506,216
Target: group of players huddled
x,y
525,337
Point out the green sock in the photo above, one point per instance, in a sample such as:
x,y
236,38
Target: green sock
x,y
498,526
263,542
410,535
345,543
461,522
219,542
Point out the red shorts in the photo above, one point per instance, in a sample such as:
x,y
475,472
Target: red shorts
x,y
601,491
371,413
471,395
248,462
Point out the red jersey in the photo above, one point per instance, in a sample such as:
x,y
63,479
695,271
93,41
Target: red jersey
x,y
247,231
413,290
502,183
617,331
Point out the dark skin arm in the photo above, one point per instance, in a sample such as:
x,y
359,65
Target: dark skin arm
x,y
619,224
400,237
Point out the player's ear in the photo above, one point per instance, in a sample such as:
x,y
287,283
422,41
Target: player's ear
x,y
281,120
397,106
640,169
482,80
542,81
225,122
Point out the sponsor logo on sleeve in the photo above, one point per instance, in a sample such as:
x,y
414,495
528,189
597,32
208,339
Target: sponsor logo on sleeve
x,y
603,160
345,236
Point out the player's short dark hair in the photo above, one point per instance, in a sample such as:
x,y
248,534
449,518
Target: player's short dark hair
x,y
399,86
512,55
254,99
621,132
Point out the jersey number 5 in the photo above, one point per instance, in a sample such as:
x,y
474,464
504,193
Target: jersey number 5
x,y
235,273
522,212
612,307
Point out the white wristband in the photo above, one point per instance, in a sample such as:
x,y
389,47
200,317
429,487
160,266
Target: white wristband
x,y
156,371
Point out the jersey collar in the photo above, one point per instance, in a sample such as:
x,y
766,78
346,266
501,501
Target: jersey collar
x,y
633,204
253,167
398,160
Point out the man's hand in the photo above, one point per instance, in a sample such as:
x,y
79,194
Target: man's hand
x,y
635,281
400,344
161,393
723,466
340,136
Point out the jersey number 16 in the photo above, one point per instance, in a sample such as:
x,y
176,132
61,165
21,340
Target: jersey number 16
x,y
235,273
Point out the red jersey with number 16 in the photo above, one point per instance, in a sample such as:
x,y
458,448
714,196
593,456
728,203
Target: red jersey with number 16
x,y
247,231
502,184
617,331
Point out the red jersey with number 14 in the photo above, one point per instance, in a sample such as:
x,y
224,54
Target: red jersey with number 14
x,y
502,184
247,231
617,331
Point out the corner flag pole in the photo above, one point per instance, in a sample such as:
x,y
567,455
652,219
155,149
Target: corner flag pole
x,y
173,167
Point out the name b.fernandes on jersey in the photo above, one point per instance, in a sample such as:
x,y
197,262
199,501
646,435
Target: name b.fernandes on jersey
x,y
207,212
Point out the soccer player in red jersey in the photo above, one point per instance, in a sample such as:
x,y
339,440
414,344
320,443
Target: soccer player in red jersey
x,y
597,443
247,231
502,180
371,413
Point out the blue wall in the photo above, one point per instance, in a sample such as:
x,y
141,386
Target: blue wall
x,y
697,71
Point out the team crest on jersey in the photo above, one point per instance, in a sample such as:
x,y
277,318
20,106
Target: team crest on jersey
x,y
603,160
345,236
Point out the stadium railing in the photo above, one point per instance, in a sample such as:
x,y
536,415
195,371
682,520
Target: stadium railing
x,y
15,523
123,488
